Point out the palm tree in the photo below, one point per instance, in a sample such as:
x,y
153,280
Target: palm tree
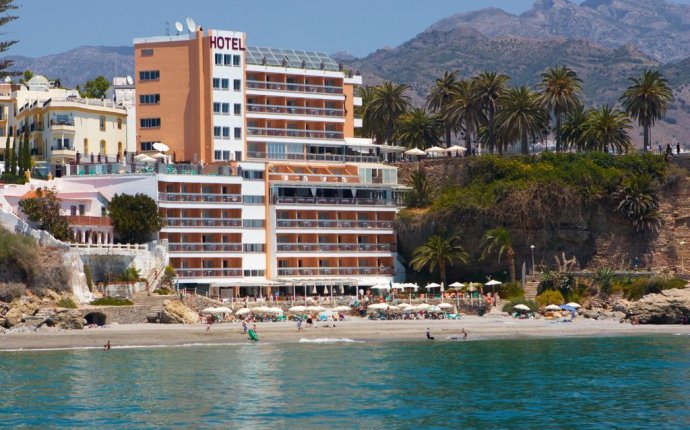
x,y
438,251
440,96
368,128
574,127
638,202
607,128
489,86
560,87
464,111
498,239
388,101
420,194
647,100
521,116
417,128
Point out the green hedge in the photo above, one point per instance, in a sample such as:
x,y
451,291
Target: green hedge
x,y
112,301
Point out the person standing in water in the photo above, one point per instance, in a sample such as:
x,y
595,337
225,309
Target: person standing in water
x,y
428,334
107,345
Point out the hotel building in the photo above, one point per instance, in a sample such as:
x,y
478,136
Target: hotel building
x,y
269,186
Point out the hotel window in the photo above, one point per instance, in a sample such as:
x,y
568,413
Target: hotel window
x,y
146,52
253,223
253,175
216,83
226,132
253,247
237,85
149,75
104,147
101,122
236,60
253,200
149,99
238,133
216,107
238,109
150,122
216,132
225,84
217,155
226,108
222,156
146,146
218,59
254,272
227,60
119,123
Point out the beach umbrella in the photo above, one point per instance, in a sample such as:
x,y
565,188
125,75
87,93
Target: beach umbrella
x,y
492,282
342,290
160,146
342,308
217,310
432,285
275,310
415,151
158,155
435,309
243,311
574,305
316,308
435,150
144,158
456,148
422,306
261,310
457,285
325,290
381,287
445,306
553,308
378,306
471,288
521,307
314,291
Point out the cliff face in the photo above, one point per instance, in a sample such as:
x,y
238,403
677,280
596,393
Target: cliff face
x,y
593,232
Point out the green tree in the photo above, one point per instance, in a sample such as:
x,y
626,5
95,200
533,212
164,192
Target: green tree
x,y
169,276
26,153
498,240
368,128
440,97
20,157
5,7
573,130
647,100
130,275
388,101
135,217
638,202
489,87
607,128
438,251
13,158
465,111
521,116
7,155
420,194
44,210
418,128
96,88
560,94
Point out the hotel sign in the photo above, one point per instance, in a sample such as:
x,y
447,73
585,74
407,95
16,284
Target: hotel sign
x,y
227,42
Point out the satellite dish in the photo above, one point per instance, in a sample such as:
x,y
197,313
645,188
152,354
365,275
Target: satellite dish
x,y
8,80
130,81
191,25
178,26
162,147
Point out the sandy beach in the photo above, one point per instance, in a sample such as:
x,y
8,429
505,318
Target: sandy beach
x,y
479,328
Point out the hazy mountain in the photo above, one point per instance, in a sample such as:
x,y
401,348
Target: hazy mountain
x,y
77,66
659,28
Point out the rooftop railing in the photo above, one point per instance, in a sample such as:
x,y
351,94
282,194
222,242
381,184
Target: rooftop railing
x,y
291,87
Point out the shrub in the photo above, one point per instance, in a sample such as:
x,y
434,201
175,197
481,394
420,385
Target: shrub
x,y
112,301
508,307
67,302
130,275
11,291
18,257
510,290
169,275
163,291
550,297
636,288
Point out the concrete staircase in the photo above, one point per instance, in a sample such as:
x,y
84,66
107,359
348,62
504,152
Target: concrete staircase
x,y
154,302
531,288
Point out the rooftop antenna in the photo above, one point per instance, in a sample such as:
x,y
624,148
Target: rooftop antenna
x,y
167,28
178,27
191,25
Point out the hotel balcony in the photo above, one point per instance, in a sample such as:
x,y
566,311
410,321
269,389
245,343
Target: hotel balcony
x,y
333,271
288,132
89,221
334,201
204,247
209,273
62,126
290,87
336,158
334,247
203,222
200,198
331,224
295,110
60,154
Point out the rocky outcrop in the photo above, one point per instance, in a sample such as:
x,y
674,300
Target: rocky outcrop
x,y
66,319
667,307
175,312
19,309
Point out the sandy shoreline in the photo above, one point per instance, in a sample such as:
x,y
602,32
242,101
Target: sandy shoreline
x,y
491,327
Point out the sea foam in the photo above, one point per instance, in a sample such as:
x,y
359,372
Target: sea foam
x,y
330,340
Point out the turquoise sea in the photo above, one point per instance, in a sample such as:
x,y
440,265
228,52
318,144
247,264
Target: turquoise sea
x,y
578,383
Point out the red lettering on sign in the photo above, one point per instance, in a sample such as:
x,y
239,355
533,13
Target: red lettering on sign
x,y
226,42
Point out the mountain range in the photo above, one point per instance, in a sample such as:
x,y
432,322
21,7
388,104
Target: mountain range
x,y
604,41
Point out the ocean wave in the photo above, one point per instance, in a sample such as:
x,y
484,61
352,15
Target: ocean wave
x,y
87,348
330,340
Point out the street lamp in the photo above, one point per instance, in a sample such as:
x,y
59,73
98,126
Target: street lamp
x,y
531,247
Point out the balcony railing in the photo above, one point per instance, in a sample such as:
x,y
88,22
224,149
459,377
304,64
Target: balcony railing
x,y
334,247
314,157
332,201
301,88
295,110
203,222
313,223
204,247
199,197
333,271
65,122
89,220
289,132
208,273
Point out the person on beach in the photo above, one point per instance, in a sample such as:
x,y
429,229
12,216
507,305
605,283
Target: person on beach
x,y
107,345
464,334
244,327
428,334
299,324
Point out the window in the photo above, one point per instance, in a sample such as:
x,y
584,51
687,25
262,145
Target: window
x,y
119,123
236,60
86,146
82,209
237,85
149,75
237,109
226,108
146,146
225,84
253,175
253,223
253,247
147,52
218,59
101,122
222,156
252,200
254,272
216,107
149,99
216,83
216,131
238,133
104,147
217,155
226,132
227,60
150,122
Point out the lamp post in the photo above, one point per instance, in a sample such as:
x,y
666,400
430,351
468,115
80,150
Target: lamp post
x,y
531,247
682,255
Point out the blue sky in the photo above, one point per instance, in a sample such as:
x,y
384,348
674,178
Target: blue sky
x,y
359,26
